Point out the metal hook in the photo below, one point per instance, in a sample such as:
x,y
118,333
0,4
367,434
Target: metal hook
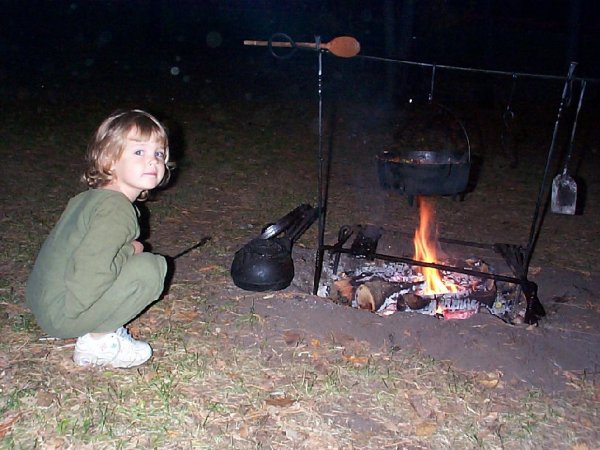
x,y
430,97
287,38
508,112
569,88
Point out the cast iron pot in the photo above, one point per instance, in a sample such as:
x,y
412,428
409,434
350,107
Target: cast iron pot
x,y
415,171
265,263
421,172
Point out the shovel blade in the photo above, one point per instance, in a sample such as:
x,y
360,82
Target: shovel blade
x,y
564,195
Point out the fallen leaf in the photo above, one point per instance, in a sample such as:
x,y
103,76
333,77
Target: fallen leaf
x,y
243,431
344,288
580,446
341,339
489,384
586,422
44,399
209,268
236,376
8,421
490,380
134,330
280,401
292,337
359,360
183,316
321,364
425,428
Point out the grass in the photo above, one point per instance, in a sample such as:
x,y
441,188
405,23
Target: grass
x,y
220,377
215,393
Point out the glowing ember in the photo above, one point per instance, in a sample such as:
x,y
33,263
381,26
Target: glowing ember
x,y
426,251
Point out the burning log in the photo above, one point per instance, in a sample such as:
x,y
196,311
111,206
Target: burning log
x,y
372,295
380,290
343,290
365,292
413,301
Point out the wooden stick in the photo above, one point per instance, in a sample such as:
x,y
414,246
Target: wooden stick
x,y
372,294
343,46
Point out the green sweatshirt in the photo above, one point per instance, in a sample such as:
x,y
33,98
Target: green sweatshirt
x,y
79,283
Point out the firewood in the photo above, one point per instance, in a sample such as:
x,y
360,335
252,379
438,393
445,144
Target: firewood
x,y
343,290
414,301
372,294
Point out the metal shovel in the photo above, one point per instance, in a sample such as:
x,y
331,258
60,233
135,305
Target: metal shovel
x,y
564,187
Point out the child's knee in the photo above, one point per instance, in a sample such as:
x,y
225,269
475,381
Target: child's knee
x,y
146,269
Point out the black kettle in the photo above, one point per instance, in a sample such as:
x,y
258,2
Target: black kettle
x,y
265,263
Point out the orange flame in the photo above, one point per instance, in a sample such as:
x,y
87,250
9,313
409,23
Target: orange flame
x,y
426,251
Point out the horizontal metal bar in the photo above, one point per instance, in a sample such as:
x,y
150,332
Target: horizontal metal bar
x,y
470,69
415,262
448,240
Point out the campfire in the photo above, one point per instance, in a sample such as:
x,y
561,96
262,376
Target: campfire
x,y
426,250
424,283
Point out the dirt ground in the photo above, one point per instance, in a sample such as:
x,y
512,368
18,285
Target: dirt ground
x,y
565,344
498,208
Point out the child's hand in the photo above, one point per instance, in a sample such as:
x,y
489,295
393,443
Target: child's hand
x,y
138,247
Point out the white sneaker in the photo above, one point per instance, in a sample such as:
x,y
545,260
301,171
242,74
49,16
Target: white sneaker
x,y
116,349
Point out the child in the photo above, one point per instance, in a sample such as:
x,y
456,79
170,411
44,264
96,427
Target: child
x,y
91,276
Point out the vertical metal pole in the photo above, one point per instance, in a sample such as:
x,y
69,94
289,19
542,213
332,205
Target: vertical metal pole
x,y
537,220
320,181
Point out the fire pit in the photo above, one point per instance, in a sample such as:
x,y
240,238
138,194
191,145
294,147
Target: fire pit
x,y
387,287
384,284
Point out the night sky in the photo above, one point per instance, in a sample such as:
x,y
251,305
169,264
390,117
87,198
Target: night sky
x,y
54,47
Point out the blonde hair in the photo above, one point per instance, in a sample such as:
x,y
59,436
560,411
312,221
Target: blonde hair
x,y
109,140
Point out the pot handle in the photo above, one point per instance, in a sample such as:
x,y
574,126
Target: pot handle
x,y
462,126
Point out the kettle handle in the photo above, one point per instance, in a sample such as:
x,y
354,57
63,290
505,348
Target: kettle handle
x,y
308,219
284,223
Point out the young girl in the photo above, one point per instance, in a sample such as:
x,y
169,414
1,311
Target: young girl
x,y
92,276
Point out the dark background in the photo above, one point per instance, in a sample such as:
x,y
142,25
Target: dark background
x,y
178,50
